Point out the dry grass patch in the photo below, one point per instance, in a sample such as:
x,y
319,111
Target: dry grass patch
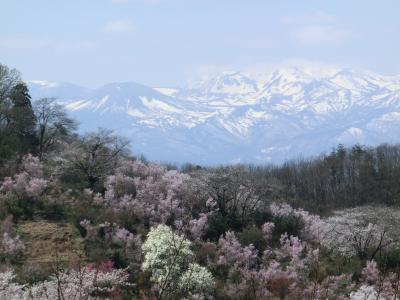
x,y
47,242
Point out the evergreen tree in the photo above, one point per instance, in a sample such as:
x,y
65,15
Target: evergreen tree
x,y
22,118
9,78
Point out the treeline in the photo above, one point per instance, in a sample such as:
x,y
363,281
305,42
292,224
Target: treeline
x,y
346,177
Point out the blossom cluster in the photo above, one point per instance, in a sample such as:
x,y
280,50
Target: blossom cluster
x,y
11,245
282,270
29,182
84,283
149,191
361,231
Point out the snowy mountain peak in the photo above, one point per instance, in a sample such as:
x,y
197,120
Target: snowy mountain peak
x,y
238,117
228,83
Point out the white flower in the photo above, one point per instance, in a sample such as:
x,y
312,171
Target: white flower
x,y
196,279
169,259
365,292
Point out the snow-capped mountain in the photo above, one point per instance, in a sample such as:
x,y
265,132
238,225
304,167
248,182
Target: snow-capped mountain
x,y
239,117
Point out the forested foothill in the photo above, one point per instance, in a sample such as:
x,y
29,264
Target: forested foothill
x,y
83,218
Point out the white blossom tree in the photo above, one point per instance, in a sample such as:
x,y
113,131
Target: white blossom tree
x,y
167,255
362,231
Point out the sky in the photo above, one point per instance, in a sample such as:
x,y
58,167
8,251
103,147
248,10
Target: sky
x,y
170,42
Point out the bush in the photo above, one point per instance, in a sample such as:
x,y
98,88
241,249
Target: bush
x,y
390,259
252,235
217,226
52,211
33,273
292,225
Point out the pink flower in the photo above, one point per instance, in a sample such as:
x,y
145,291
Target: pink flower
x,y
267,230
370,273
197,227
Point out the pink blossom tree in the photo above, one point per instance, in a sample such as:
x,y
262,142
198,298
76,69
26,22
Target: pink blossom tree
x,y
20,192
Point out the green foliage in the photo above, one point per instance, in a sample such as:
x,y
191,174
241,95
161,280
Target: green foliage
x,y
390,259
33,273
333,265
72,179
261,217
217,226
85,210
118,258
17,120
22,119
51,210
292,225
20,208
252,235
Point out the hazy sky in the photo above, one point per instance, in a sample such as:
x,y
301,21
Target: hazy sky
x,y
167,42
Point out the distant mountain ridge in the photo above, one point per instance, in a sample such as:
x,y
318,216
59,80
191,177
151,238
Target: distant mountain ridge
x,y
236,117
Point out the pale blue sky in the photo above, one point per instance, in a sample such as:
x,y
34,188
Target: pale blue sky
x,y
167,42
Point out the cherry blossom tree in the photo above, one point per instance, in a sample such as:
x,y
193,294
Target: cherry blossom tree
x,y
149,191
19,193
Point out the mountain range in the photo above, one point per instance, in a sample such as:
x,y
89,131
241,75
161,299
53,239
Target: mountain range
x,y
236,117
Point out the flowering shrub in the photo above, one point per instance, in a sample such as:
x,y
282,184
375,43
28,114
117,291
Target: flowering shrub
x,y
9,289
279,272
27,183
11,246
232,253
18,194
196,280
366,292
150,191
197,227
168,257
267,230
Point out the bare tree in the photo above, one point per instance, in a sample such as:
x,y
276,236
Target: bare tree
x,y
53,124
96,155
235,190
